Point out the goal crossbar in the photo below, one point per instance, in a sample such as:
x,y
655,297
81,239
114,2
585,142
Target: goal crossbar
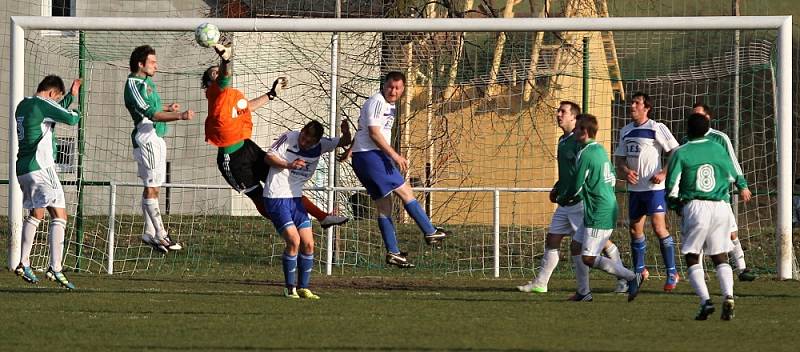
x,y
783,25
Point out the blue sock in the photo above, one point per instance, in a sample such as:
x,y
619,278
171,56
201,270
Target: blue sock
x,y
668,253
289,270
638,247
305,267
388,233
418,214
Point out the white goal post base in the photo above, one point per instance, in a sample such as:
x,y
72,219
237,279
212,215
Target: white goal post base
x,y
783,25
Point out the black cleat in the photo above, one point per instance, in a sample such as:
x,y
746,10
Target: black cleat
x,y
706,309
399,260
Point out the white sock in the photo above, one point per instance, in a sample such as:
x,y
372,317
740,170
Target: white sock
x,y
613,253
613,268
56,240
549,262
697,279
150,207
725,278
29,227
738,255
581,275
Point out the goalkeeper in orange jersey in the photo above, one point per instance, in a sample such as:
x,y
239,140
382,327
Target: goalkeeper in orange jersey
x,y
229,126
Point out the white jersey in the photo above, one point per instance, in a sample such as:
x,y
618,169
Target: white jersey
x,y
375,112
286,183
642,146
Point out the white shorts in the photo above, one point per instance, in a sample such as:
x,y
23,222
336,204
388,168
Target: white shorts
x,y
734,227
41,189
566,220
593,240
151,157
705,227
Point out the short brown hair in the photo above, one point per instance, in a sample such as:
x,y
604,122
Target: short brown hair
x,y
588,123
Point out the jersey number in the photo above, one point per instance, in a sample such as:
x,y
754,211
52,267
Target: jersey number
x,y
705,178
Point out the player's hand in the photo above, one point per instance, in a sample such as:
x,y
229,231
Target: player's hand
x,y
76,87
187,115
278,86
174,107
553,195
224,52
746,195
297,164
659,177
632,177
402,163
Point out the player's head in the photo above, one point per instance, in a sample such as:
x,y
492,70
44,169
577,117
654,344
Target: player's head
x,y
393,86
700,108
52,87
566,114
143,60
585,127
310,134
210,76
696,125
641,104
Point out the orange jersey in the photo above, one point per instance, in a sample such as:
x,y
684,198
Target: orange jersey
x,y
229,120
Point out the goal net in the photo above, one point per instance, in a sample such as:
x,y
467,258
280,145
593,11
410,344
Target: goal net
x,y
477,123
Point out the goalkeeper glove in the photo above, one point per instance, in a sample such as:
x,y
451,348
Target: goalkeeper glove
x,y
280,84
224,52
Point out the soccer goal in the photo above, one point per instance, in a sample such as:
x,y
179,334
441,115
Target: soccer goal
x,y
477,123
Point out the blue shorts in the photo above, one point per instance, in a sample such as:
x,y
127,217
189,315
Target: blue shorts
x,y
285,212
646,203
377,173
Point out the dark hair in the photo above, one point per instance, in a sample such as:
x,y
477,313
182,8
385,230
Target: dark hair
x,y
588,123
395,76
648,101
696,125
51,82
704,106
207,77
576,110
315,128
139,56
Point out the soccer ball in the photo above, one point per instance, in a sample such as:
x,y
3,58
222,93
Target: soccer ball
x,y
206,35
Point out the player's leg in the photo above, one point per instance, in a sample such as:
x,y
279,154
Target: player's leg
x,y
305,264
636,219
431,234
29,226
656,209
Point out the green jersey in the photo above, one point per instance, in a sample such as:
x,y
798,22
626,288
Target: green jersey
x,y
143,102
594,183
699,169
36,118
722,139
568,148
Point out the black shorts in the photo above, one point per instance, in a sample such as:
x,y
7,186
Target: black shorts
x,y
244,169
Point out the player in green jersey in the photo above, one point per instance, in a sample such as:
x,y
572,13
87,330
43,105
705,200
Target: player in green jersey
x,y
698,178
741,184
568,216
41,189
149,149
594,184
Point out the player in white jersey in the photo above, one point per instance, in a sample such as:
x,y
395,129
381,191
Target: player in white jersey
x,y
293,159
642,143
374,162
720,137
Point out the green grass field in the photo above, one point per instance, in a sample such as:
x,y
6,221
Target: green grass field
x,y
408,313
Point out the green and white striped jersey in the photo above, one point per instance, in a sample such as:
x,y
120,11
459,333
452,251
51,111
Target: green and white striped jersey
x,y
568,148
724,141
36,118
700,169
594,183
143,102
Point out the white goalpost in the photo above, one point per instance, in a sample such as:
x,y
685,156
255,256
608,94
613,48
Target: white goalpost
x,y
783,100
